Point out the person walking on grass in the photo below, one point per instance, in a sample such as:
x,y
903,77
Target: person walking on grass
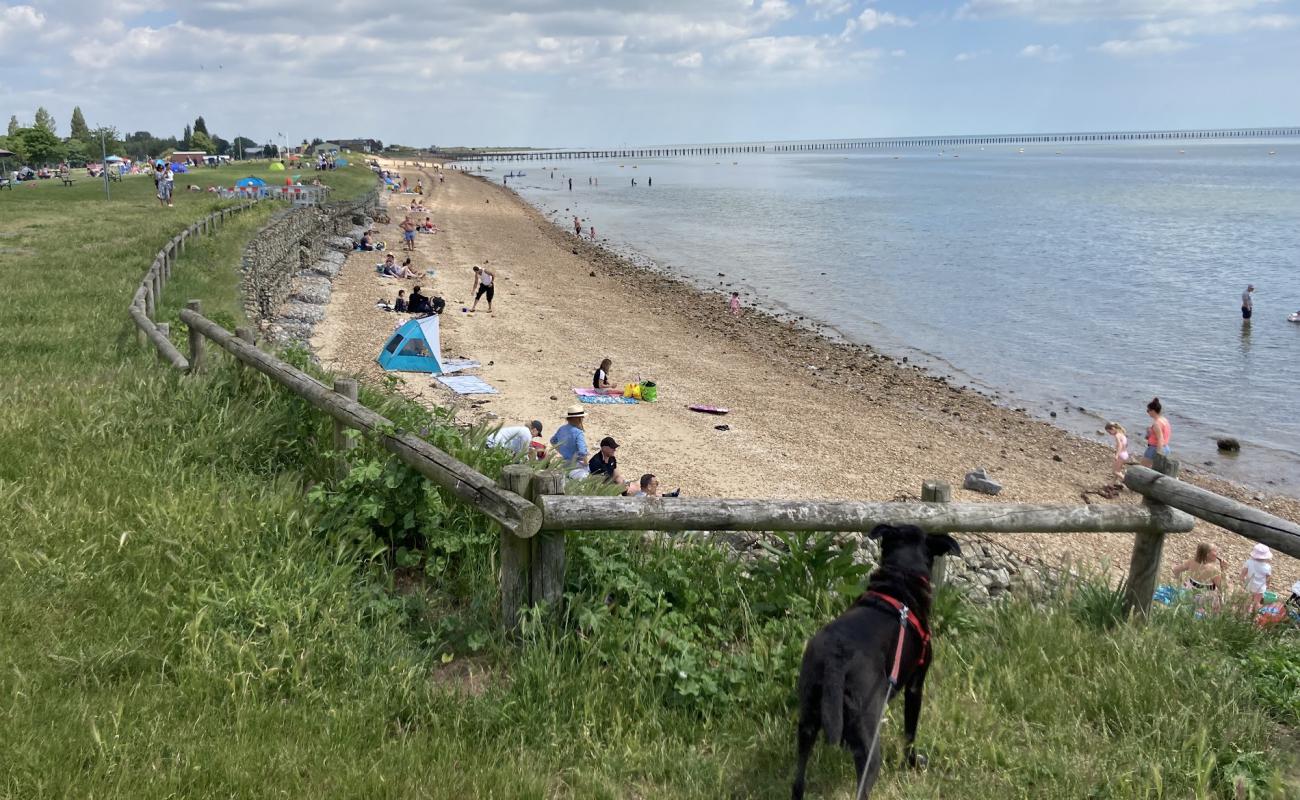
x,y
1247,304
484,285
1158,434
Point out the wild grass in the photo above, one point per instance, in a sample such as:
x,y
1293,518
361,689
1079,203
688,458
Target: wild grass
x,y
189,608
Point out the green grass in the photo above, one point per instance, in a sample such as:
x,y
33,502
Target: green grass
x,y
186,610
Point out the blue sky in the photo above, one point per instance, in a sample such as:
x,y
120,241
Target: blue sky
x,y
586,72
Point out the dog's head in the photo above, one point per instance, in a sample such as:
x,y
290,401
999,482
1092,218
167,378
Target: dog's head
x,y
909,549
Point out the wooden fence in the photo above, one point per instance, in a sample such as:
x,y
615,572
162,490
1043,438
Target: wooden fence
x,y
534,514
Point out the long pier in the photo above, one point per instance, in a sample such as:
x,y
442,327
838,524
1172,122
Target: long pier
x,y
902,143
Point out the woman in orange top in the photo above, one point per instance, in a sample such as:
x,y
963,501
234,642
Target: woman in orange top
x,y
1158,433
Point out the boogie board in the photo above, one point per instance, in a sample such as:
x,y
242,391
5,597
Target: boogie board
x,y
709,409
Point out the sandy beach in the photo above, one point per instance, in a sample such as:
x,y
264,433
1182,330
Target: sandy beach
x,y
809,417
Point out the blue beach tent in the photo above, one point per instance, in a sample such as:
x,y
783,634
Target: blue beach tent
x,y
249,181
414,347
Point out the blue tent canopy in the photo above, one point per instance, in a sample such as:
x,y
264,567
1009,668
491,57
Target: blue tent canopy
x,y
414,347
249,181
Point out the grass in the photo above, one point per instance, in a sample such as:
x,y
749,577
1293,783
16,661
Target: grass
x,y
187,611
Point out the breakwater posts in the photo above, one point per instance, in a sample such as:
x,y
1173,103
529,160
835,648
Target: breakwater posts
x,y
903,143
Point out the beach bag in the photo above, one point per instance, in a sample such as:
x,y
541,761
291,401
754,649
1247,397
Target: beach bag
x,y
649,391
629,389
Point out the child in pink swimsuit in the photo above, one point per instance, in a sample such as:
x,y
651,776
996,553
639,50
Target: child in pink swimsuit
x,y
1121,447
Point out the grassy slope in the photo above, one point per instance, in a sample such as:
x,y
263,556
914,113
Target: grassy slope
x,y
172,623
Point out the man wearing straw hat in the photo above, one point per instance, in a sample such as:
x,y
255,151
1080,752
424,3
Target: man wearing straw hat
x,y
570,441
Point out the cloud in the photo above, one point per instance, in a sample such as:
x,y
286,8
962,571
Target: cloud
x,y
19,22
1082,10
1050,53
970,55
1137,48
1220,25
826,9
870,19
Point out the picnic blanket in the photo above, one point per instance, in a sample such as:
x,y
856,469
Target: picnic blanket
x,y
467,384
451,365
607,400
588,392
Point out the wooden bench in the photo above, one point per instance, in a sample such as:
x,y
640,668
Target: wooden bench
x,y
65,177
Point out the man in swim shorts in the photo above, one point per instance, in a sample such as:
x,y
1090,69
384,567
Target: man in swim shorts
x,y
484,280
1247,305
408,233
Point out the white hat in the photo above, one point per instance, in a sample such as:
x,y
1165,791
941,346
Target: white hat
x,y
575,411
1261,553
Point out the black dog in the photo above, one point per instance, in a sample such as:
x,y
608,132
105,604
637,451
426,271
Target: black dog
x,y
854,665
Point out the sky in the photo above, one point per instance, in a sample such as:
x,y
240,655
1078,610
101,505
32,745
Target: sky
x,y
578,73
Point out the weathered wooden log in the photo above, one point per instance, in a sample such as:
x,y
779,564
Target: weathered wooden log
x,y
1148,553
516,553
547,553
342,442
150,301
165,348
196,339
704,514
511,511
1256,525
937,492
156,278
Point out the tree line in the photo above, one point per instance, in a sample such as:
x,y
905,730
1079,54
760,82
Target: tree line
x,y
39,143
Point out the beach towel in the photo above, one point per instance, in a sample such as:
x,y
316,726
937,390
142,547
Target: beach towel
x,y
451,365
606,400
589,392
467,384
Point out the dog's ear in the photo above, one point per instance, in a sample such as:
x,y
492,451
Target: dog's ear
x,y
941,544
880,531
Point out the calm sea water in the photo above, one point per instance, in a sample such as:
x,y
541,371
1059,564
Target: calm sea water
x,y
1090,278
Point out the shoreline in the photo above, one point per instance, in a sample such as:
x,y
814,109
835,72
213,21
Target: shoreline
x,y
811,417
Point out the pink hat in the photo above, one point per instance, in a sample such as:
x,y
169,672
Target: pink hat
x,y
1261,553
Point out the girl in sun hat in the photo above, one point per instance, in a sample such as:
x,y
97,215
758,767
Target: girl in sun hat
x,y
1255,573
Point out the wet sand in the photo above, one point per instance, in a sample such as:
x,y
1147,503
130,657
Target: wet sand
x,y
809,417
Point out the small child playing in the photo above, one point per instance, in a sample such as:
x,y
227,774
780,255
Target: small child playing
x,y
1255,573
1121,448
734,305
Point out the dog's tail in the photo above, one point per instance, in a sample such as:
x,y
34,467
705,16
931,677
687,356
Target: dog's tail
x,y
833,701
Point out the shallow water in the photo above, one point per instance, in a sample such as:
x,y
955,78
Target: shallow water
x,y
1090,279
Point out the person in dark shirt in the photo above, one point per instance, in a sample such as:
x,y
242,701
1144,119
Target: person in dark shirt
x,y
600,380
418,304
399,305
605,463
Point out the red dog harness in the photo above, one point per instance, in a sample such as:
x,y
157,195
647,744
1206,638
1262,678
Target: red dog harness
x,y
905,618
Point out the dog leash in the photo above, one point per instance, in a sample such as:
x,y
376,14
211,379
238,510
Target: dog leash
x,y
903,614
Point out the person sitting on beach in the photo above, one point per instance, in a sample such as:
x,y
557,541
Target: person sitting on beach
x,y
427,226
1158,433
518,438
418,303
605,462
419,187
1121,448
484,279
399,305
570,442
1205,572
389,268
648,486
365,243
601,379
406,271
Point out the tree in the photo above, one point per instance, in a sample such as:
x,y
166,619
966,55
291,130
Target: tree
x,y
185,138
109,137
40,146
201,141
45,121
78,129
13,126
241,145
78,152
200,126
220,146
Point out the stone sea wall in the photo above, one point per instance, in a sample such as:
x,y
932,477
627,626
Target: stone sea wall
x,y
290,265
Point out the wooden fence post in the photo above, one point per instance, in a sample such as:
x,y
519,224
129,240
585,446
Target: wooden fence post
x,y
516,553
150,302
547,547
935,491
196,339
140,334
342,442
155,279
166,330
1148,552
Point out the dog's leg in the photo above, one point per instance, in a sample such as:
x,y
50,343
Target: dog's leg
x,y
809,729
911,717
867,764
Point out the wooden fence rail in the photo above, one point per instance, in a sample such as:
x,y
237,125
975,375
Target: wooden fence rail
x,y
535,514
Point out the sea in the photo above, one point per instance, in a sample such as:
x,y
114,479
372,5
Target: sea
x,y
1073,281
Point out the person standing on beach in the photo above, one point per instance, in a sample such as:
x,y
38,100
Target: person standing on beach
x,y
408,233
1121,447
577,227
593,233
484,280
649,181
570,184
734,304
1247,304
1255,574
570,442
1158,434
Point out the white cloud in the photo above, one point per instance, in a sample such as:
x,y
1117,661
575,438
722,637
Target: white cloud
x,y
1077,10
970,55
19,22
898,53
690,60
870,19
1050,53
1221,25
826,9
1136,48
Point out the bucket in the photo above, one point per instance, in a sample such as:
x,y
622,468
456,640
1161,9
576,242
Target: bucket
x,y
649,391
